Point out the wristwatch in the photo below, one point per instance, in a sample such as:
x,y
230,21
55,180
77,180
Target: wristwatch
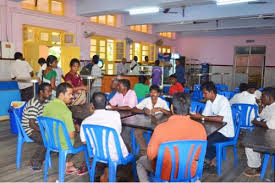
x,y
202,118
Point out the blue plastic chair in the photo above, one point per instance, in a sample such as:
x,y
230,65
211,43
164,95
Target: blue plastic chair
x,y
139,99
221,146
163,98
197,87
186,90
197,107
237,90
51,130
21,138
221,87
95,136
227,94
265,163
166,90
187,150
135,146
197,95
246,111
260,89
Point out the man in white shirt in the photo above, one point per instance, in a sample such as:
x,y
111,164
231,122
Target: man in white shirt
x,y
105,118
151,105
22,72
134,66
246,96
122,68
96,72
217,109
267,114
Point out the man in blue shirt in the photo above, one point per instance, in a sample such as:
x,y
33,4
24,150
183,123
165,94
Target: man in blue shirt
x,y
180,71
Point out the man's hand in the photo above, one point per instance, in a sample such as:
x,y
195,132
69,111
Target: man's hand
x,y
155,110
197,116
147,111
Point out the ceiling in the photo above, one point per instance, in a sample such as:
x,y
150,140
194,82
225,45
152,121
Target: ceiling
x,y
190,17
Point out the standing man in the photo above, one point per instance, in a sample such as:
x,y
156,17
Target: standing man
x,y
180,73
122,68
22,72
156,74
96,72
33,109
217,109
134,66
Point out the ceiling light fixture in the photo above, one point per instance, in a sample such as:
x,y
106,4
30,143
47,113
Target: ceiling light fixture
x,y
144,10
225,2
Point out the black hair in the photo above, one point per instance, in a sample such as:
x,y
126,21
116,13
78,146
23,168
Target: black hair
x,y
62,88
43,86
142,79
73,61
252,85
95,59
181,103
243,87
270,92
99,100
209,86
51,59
18,55
173,76
125,82
41,61
146,57
155,87
135,58
157,63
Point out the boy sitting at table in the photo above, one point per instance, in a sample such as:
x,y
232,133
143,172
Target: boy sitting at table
x,y
150,106
267,114
176,86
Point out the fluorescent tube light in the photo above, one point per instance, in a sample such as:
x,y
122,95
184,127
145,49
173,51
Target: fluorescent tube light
x,y
143,10
225,2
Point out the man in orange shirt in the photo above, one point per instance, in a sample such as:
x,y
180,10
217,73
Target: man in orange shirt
x,y
176,86
178,127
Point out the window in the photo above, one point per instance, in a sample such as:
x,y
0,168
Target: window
x,y
141,50
164,49
167,34
139,28
55,7
104,19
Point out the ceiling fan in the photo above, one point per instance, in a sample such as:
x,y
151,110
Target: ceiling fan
x,y
167,10
265,17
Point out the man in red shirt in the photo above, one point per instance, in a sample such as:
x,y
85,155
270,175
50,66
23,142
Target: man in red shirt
x,y
178,127
176,86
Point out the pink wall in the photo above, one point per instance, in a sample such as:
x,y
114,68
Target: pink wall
x,y
13,17
219,50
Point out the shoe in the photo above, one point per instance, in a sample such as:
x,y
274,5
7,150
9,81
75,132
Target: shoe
x,y
252,172
82,170
36,169
71,170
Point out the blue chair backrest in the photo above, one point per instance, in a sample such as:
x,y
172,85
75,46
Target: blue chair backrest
x,y
197,95
246,111
97,139
186,90
236,116
166,89
187,154
51,131
221,87
227,94
237,90
20,129
260,89
197,86
140,99
197,107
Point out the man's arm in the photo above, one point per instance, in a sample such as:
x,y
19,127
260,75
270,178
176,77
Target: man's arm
x,y
33,125
136,110
157,109
259,123
207,118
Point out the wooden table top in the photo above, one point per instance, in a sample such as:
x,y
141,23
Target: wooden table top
x,y
125,114
147,122
260,139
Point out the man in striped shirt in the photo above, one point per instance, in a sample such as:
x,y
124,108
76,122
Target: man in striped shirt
x,y
32,110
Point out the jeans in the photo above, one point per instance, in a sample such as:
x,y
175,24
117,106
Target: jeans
x,y
211,148
39,156
141,141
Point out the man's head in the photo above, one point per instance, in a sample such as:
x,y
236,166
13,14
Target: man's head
x,y
114,84
75,64
173,79
251,88
146,58
95,59
243,87
41,61
180,104
52,61
18,55
99,100
124,60
64,92
124,85
142,79
209,90
157,63
268,95
45,91
135,58
154,92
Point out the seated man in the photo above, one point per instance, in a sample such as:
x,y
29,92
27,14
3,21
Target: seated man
x,y
151,105
105,118
32,110
178,127
217,109
246,95
176,86
114,88
267,114
58,109
141,89
125,98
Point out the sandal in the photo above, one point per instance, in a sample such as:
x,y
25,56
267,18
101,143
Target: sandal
x,y
70,170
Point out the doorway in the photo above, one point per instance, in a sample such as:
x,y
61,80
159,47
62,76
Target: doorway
x,y
249,65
